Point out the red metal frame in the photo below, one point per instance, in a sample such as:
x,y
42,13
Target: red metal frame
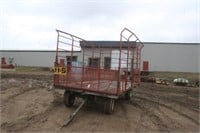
x,y
90,75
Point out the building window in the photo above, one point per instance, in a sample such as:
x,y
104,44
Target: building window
x,y
74,59
94,62
107,63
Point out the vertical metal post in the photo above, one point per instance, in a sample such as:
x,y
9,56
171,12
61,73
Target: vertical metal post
x,y
119,67
132,66
56,61
56,77
72,51
99,68
83,67
92,59
127,69
111,78
110,56
129,43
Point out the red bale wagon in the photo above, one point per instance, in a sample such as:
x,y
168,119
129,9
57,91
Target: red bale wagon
x,y
103,69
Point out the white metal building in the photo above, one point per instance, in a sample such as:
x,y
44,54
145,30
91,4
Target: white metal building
x,y
175,57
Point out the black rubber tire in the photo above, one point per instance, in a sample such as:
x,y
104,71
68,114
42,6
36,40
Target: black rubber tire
x,y
109,105
69,98
128,94
198,83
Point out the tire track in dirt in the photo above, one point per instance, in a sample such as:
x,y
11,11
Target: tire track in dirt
x,y
125,112
169,89
22,91
23,87
193,106
171,123
162,127
23,123
169,120
166,106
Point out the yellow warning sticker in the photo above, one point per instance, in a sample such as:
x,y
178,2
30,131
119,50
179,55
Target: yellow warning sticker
x,y
60,70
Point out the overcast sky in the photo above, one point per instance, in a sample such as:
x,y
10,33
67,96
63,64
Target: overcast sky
x,y
31,24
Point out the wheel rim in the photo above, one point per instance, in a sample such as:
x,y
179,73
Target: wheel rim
x,y
112,104
130,94
109,106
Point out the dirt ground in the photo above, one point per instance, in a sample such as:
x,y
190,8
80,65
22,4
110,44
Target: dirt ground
x,y
30,104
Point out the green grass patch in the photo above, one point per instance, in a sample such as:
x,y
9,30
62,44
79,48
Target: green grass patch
x,y
31,69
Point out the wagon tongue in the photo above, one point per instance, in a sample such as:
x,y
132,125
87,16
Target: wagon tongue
x,y
71,117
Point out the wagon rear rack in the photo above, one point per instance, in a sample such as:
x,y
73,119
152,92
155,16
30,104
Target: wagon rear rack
x,y
127,35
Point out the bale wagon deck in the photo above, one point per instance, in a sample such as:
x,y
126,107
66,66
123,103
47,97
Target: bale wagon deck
x,y
104,88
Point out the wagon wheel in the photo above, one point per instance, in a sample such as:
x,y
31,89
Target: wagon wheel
x,y
69,98
128,94
109,105
198,83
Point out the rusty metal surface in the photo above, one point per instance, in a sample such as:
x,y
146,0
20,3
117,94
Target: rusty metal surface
x,y
91,73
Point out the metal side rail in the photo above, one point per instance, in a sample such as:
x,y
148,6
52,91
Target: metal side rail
x,y
72,116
